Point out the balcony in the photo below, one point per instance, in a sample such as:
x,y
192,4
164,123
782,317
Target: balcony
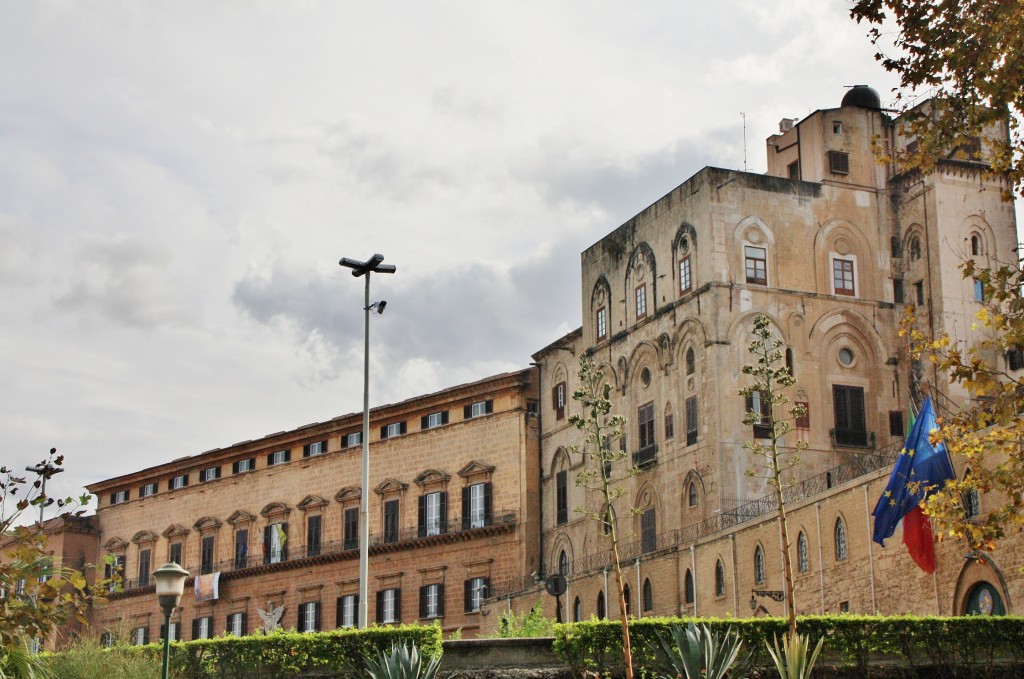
x,y
852,438
646,457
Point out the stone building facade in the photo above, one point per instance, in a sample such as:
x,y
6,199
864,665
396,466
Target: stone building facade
x,y
830,245
453,476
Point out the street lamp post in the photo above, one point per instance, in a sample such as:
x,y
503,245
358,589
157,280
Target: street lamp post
x,y
170,585
44,471
372,265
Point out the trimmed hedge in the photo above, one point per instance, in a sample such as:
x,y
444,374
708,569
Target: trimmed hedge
x,y
959,646
289,654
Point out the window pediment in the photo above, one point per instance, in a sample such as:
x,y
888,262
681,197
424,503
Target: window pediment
x,y
174,530
348,493
206,523
311,502
144,536
275,509
475,468
431,476
390,485
241,516
115,545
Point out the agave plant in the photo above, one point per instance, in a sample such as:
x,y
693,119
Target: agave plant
x,y
402,662
791,660
697,653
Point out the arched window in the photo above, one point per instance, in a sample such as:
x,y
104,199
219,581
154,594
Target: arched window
x,y
803,562
975,245
840,540
719,578
915,248
759,565
691,362
789,361
648,597
685,266
670,427
601,613
691,494
577,610
563,563
688,587
627,599
972,501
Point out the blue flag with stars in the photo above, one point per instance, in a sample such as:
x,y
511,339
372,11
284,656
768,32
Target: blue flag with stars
x,y
921,468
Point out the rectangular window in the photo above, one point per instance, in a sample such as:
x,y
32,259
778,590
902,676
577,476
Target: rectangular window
x,y
691,420
756,264
641,301
838,162
1015,359
602,323
202,628
242,466
147,490
119,497
896,423
433,514
558,400
145,566
110,570
645,418
897,290
348,610
476,504
476,590
842,277
648,531
757,403
478,409
979,290
352,440
279,457
209,474
241,548
206,558
669,426
837,127
793,170
562,497
684,274
851,428
309,616
140,636
803,421
275,543
174,553
434,420
173,635
391,521
432,601
237,624
351,520
392,430
389,605
315,448
313,524
919,293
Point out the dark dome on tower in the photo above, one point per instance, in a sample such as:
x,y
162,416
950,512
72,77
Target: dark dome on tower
x,y
862,96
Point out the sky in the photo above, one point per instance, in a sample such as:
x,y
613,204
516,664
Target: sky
x,y
179,180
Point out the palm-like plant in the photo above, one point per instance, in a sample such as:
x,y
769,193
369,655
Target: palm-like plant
x,y
791,660
402,662
698,653
17,661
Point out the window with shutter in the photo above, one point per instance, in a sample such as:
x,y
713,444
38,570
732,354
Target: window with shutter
x,y
351,538
561,497
851,428
558,400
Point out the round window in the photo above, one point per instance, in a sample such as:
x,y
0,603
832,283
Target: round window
x,y
645,376
846,357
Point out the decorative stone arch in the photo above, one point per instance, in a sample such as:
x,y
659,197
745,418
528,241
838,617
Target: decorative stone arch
x,y
694,479
840,518
390,485
115,545
759,547
175,530
240,516
841,239
560,460
431,477
645,354
611,375
647,498
835,327
624,373
207,523
684,244
912,253
641,270
348,494
144,537
741,329
275,509
311,502
751,230
561,543
601,297
979,568
976,225
476,471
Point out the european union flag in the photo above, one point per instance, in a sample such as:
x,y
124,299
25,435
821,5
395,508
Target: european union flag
x,y
921,468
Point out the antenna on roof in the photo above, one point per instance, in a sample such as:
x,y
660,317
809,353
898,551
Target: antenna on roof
x,y
744,140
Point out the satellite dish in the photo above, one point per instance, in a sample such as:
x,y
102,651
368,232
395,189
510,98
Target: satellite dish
x,y
556,584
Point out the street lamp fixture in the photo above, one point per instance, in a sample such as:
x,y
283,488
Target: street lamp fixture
x,y
170,585
44,471
370,266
